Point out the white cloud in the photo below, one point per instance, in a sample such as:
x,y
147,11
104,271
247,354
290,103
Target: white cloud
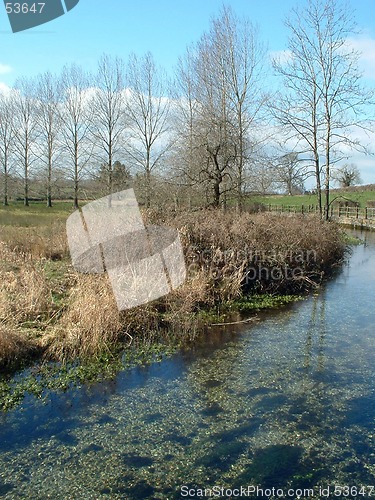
x,y
5,68
366,47
281,56
4,89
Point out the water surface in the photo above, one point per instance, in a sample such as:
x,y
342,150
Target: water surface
x,y
286,402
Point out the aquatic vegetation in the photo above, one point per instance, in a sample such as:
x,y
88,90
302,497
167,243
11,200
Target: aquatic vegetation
x,y
257,302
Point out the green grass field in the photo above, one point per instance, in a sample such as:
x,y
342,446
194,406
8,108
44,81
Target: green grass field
x,y
298,200
37,214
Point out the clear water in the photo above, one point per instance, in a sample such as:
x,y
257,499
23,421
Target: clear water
x,y
286,402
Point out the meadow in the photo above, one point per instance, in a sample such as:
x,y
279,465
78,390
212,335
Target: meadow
x,y
362,196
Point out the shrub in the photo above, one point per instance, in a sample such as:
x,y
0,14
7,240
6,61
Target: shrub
x,y
236,253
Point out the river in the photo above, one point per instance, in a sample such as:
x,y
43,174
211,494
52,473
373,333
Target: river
x,y
286,403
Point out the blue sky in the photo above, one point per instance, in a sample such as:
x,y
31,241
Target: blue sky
x,y
164,27
119,27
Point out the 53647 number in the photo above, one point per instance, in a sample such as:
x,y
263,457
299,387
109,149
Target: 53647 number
x,y
24,8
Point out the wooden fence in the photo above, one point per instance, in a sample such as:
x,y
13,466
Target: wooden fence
x,y
366,213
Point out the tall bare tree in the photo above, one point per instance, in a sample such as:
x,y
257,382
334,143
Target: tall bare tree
x,y
214,127
206,143
221,98
48,100
241,56
343,95
147,108
324,99
108,115
25,128
185,159
6,140
297,108
75,116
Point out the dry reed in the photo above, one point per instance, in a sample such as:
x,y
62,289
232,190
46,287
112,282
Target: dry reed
x,y
90,323
220,251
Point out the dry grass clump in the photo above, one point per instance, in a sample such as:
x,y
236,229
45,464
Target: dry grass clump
x,y
25,300
48,242
193,293
25,294
15,347
264,252
90,323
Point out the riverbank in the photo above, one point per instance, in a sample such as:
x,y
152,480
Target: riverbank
x,y
50,313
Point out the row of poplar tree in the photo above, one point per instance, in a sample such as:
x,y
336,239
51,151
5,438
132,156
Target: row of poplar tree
x,y
221,124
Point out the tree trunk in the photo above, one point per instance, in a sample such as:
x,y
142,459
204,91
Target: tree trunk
x,y
148,179
239,203
216,202
328,166
26,187
49,187
110,167
318,184
241,161
76,171
49,173
26,191
5,199
75,201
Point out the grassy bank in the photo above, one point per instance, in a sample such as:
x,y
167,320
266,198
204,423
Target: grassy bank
x,y
50,312
361,196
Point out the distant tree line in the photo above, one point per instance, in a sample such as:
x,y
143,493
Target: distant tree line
x,y
211,133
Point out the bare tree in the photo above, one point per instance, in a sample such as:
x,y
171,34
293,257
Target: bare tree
x,y
185,159
147,108
25,128
221,100
291,172
108,115
48,95
297,109
212,136
347,175
343,96
6,140
74,114
240,58
325,98
262,178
